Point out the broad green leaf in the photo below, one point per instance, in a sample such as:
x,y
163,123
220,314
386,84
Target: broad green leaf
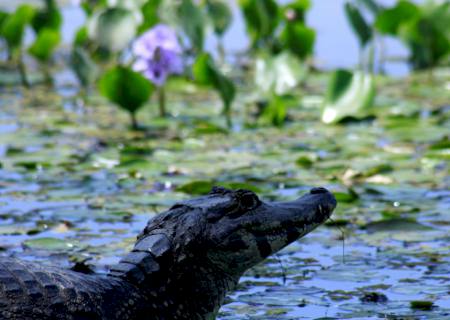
x,y
261,19
89,7
220,14
298,38
196,187
53,244
372,5
298,8
49,17
13,26
275,111
389,20
3,16
46,42
84,67
348,98
150,13
339,82
126,88
427,36
113,28
358,23
81,36
202,69
226,89
422,305
192,23
206,73
278,74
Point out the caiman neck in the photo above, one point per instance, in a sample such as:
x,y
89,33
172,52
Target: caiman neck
x,y
183,289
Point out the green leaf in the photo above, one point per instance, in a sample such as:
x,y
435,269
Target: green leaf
x,y
192,24
81,36
372,5
196,187
206,73
150,14
13,26
389,20
261,18
359,24
49,17
278,74
220,14
422,304
113,28
52,244
3,16
298,38
299,9
203,70
126,88
46,42
339,82
348,97
84,67
275,112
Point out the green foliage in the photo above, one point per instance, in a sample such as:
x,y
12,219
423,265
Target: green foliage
x,y
278,74
424,29
81,36
220,14
349,95
3,16
192,23
13,26
84,67
150,15
46,42
298,38
261,18
359,24
371,5
90,6
299,8
275,111
389,20
113,28
126,88
206,73
49,17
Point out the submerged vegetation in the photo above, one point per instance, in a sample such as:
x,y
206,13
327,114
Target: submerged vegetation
x,y
77,182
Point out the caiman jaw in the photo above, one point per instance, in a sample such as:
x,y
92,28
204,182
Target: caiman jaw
x,y
266,229
292,220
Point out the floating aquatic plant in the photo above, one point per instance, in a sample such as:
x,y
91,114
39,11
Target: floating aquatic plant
x,y
158,55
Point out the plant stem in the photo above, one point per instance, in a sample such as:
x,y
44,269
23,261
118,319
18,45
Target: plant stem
x,y
162,101
221,50
23,72
47,75
134,123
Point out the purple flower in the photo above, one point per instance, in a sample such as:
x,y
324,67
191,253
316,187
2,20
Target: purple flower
x,y
158,54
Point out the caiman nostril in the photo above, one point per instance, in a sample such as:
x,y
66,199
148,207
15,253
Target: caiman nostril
x,y
318,190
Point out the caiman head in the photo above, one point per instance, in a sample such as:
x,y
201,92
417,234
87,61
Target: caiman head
x,y
199,248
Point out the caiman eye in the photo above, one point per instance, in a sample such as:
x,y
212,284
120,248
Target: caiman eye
x,y
248,199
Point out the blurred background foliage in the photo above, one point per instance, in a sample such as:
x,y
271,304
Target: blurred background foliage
x,y
280,54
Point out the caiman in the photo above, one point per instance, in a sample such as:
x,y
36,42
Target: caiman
x,y
181,267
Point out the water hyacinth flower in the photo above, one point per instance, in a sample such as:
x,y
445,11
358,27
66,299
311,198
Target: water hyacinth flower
x,y
158,54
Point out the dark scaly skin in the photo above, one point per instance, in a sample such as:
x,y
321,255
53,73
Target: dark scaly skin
x,y
181,267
